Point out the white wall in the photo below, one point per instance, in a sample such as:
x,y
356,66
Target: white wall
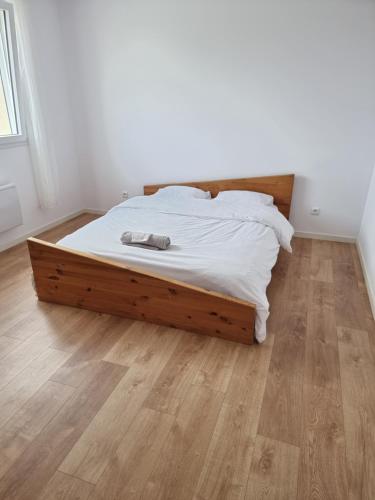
x,y
163,90
170,90
366,241
15,163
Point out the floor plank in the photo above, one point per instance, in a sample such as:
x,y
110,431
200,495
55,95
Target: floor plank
x,y
296,294
132,343
284,388
135,458
321,269
321,353
302,247
79,325
35,467
342,252
226,468
106,330
93,451
216,370
29,421
15,361
322,469
178,468
64,487
358,390
177,376
28,381
7,345
274,471
349,304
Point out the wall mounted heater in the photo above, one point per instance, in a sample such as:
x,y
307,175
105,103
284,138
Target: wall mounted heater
x,y
10,209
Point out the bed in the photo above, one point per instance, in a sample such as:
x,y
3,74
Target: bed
x,y
212,280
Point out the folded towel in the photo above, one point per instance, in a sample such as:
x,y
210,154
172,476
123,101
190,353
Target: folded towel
x,y
145,240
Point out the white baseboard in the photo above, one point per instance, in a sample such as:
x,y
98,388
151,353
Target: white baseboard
x,y
370,290
325,236
43,228
94,211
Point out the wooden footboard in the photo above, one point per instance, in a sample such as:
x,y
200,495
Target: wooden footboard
x,y
73,278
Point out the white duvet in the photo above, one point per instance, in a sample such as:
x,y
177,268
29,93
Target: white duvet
x,y
216,245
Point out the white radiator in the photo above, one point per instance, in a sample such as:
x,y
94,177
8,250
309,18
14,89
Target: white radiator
x,y
10,209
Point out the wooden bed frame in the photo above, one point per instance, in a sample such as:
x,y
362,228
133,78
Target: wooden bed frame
x,y
69,277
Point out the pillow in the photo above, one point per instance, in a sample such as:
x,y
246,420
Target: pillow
x,y
176,192
245,197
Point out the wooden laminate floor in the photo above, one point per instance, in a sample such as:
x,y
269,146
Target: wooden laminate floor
x,y
97,407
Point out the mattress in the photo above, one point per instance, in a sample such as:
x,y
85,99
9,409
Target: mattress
x,y
215,245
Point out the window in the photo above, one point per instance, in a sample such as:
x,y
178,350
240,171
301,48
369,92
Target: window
x,y
10,123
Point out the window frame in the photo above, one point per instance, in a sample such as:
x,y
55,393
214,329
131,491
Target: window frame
x,y
20,137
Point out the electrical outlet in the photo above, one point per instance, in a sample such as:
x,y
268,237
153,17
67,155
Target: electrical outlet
x,y
315,211
125,195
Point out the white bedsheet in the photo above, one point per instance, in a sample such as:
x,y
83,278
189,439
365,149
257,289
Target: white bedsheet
x,y
215,245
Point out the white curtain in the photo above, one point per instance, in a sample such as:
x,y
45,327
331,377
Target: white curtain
x,y
6,78
40,145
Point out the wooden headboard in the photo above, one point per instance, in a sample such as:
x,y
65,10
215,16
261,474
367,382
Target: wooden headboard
x,y
279,186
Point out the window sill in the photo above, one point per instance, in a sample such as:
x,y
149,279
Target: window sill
x,y
13,141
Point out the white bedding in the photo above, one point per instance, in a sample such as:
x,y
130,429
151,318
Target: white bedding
x,y
215,245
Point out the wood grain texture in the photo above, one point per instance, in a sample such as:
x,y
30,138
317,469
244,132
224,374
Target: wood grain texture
x,y
274,471
68,277
157,412
358,390
19,358
23,386
95,448
349,302
226,468
34,468
83,363
177,470
284,389
216,370
278,186
7,345
29,421
322,469
64,487
45,321
322,366
135,458
177,376
132,343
